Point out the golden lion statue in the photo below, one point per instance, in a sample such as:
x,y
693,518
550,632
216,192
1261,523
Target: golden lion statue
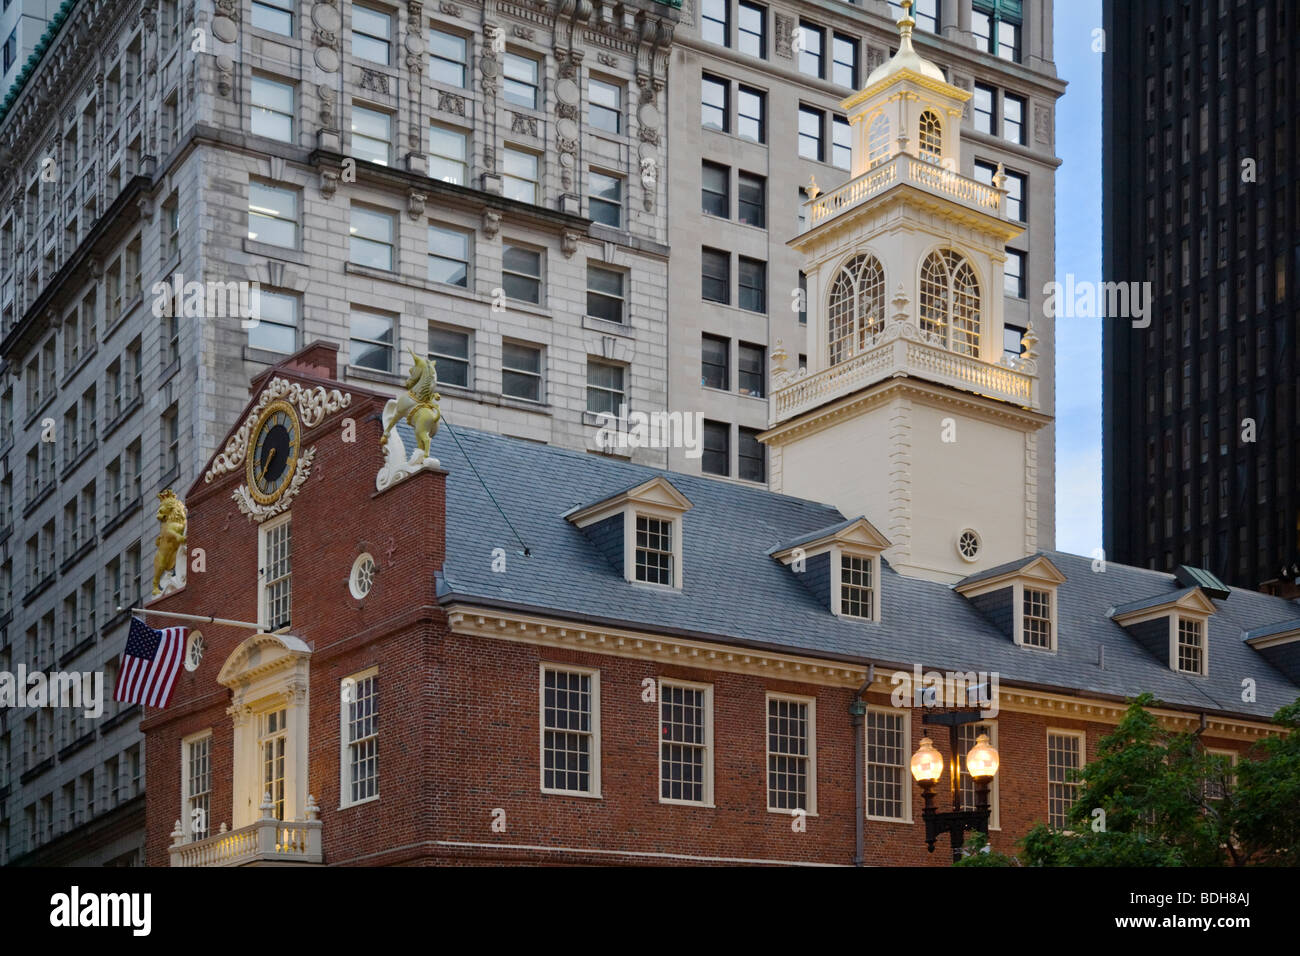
x,y
419,406
171,515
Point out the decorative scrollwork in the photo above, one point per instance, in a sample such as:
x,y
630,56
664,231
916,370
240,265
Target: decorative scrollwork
x,y
313,404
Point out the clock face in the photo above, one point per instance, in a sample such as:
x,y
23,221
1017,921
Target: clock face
x,y
273,453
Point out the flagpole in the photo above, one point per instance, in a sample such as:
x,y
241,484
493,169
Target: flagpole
x,y
209,619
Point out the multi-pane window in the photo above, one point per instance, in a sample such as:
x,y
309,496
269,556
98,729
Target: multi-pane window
x,y
370,240
371,33
448,255
996,25
930,144
856,308
1036,627
371,340
370,134
715,194
1064,760
448,153
277,581
1191,645
810,134
519,179
654,550
967,734
751,456
887,756
521,80
714,362
715,276
685,743
361,738
857,591
716,457
272,739
448,58
1013,118
276,328
791,778
713,103
752,281
751,363
811,56
449,348
879,147
985,117
274,16
751,29
605,105
521,371
272,109
605,293
841,143
950,301
715,21
198,787
272,215
924,12
605,389
751,198
844,68
1013,274
751,114
1015,187
605,198
521,273
570,722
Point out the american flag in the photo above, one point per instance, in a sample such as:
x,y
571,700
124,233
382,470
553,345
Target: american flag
x,y
150,664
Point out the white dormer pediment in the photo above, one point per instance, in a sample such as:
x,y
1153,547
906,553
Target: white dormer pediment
x,y
658,495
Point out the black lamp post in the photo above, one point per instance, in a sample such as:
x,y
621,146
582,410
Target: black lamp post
x,y
927,768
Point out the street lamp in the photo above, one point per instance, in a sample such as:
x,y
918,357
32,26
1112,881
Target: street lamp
x,y
927,768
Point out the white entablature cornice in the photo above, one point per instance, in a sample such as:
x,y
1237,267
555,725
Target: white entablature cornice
x,y
497,624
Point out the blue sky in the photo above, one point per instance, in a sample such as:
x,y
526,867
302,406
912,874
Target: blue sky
x,y
1078,250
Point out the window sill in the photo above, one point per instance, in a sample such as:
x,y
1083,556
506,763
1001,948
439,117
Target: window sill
x,y
119,519
790,813
170,477
531,308
605,326
370,272
359,803
571,793
261,34
42,406
687,803
131,408
81,363
39,588
263,356
79,456
77,555
890,820
40,497
269,251
172,368
374,375
76,651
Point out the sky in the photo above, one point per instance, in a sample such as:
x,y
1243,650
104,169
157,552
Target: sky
x,y
1078,251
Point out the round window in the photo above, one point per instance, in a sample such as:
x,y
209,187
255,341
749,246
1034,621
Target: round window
x,y
194,651
363,576
968,545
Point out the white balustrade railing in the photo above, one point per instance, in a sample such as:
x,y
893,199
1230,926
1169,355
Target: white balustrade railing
x,y
267,840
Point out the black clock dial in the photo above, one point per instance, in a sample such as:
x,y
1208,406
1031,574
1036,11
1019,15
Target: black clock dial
x,y
273,455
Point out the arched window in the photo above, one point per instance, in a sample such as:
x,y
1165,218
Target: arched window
x,y
878,141
856,309
950,301
931,140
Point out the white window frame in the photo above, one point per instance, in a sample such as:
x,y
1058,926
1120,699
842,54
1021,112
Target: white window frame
x,y
346,745
507,178
463,163
186,796
1233,758
673,518
469,352
540,374
1018,615
387,39
391,243
284,191
906,770
1082,737
254,106
1174,621
708,743
263,582
768,753
838,553
593,734
366,138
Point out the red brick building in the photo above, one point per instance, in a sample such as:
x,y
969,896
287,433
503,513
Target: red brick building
x,y
534,655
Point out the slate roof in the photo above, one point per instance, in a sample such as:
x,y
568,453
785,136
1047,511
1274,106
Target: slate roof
x,y
1268,630
734,592
1154,600
815,535
993,572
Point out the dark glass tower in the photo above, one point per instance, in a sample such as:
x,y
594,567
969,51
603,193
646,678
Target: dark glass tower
x,y
1200,147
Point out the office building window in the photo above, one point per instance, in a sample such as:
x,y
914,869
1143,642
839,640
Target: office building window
x,y
605,105
274,16
751,364
273,215
371,33
520,176
450,349
717,448
715,196
810,134
448,58
715,355
713,103
715,272
811,56
521,80
521,371
521,273
751,196
272,109
605,293
751,110
449,255
1013,274
841,143
1015,187
605,198
984,110
605,390
372,340
752,280
1012,344
276,329
751,30
448,154
715,24
844,50
370,134
1013,118
751,456
371,238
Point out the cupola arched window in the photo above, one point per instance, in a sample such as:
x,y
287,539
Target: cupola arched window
x,y
878,140
931,138
950,301
856,310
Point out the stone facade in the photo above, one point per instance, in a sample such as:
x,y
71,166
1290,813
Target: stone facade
x,y
133,147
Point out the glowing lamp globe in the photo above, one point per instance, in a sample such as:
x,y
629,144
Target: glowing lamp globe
x,y
982,761
927,763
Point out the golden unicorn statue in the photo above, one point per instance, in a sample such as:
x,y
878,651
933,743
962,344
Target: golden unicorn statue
x,y
419,406
171,515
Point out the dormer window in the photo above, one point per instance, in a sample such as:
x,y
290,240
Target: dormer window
x,y
857,593
840,565
1019,598
1191,645
1036,619
654,550
639,531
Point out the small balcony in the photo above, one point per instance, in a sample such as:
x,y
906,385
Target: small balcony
x,y
267,842
904,169
902,350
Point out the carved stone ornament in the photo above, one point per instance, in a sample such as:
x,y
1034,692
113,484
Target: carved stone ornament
x,y
373,80
449,8
415,204
569,244
329,182
526,125
491,223
784,30
313,405
259,512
